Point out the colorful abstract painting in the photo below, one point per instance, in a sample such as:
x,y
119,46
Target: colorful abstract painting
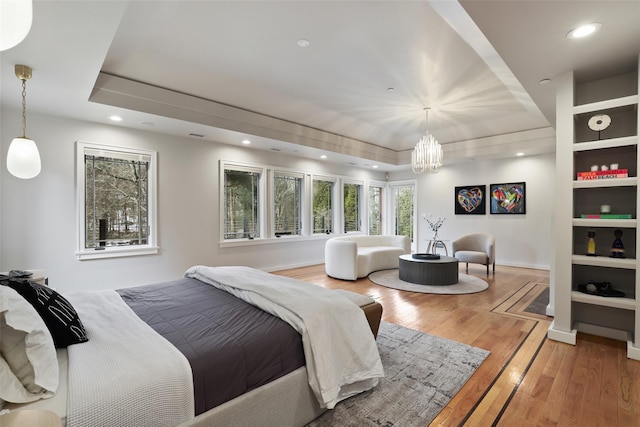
x,y
508,198
470,200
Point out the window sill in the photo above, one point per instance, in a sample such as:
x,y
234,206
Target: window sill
x,y
273,240
117,252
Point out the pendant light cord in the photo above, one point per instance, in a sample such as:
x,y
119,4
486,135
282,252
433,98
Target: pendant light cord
x,y
24,108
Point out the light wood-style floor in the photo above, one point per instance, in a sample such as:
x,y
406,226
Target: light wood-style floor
x,y
527,380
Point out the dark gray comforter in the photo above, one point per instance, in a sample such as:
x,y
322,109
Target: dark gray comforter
x,y
232,346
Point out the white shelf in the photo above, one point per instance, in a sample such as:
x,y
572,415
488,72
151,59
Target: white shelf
x,y
623,303
603,183
603,105
605,143
604,261
597,222
578,149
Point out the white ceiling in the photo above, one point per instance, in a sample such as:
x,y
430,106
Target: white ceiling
x,y
231,70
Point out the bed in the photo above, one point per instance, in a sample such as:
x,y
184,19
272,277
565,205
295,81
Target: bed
x,y
290,343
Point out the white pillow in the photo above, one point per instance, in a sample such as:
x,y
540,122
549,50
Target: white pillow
x,y
28,362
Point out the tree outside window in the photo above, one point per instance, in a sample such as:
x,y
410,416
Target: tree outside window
x,y
241,204
375,210
404,202
322,206
351,206
116,193
287,204
116,201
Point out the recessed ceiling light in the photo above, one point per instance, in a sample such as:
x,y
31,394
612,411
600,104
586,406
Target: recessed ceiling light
x,y
323,157
520,154
146,123
303,43
115,118
246,142
584,30
544,81
390,89
375,166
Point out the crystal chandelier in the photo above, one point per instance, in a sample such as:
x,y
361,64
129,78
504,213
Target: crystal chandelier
x,y
427,155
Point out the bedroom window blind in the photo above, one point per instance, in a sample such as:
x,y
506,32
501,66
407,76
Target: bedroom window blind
x,y
351,205
375,210
404,207
287,203
116,197
241,203
323,205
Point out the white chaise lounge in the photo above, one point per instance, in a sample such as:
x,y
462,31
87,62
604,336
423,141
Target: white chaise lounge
x,y
353,257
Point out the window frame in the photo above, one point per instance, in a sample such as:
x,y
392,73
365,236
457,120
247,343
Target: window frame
x,y
381,206
362,204
334,197
274,174
151,247
261,220
392,209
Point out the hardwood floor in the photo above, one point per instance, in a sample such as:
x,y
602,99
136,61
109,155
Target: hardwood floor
x,y
527,380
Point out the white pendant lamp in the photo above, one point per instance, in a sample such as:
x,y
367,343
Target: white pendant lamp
x,y
15,22
23,158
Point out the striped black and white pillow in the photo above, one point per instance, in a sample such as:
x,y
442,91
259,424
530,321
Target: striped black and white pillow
x,y
57,313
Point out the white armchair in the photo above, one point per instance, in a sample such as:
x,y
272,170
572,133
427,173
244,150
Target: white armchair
x,y
476,248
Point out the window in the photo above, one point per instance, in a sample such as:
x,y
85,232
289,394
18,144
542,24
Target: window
x,y
287,203
116,189
351,205
242,198
375,210
404,207
323,206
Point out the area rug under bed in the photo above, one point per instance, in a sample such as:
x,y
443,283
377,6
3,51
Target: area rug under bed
x,y
422,373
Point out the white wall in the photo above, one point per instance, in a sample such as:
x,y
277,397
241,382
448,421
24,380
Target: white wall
x,y
38,217
521,240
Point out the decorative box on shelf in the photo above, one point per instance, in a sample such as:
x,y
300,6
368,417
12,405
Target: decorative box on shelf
x,y
609,174
607,216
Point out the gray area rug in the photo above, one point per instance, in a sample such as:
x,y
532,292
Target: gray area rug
x,y
539,305
422,373
466,284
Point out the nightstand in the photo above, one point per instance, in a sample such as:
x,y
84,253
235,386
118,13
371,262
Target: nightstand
x,y
31,418
37,277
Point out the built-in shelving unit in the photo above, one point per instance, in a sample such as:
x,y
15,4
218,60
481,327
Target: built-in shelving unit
x,y
582,198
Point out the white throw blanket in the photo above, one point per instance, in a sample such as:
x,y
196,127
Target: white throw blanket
x,y
126,374
341,353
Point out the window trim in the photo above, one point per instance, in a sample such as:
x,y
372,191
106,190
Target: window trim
x,y
362,205
383,186
336,194
151,248
262,199
273,174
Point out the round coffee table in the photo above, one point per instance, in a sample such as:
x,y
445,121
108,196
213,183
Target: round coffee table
x,y
438,272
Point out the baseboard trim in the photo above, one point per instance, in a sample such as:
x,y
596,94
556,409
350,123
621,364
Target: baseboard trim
x,y
523,265
290,266
562,336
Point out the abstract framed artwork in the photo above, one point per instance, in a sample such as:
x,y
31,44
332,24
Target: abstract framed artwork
x,y
470,200
508,198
